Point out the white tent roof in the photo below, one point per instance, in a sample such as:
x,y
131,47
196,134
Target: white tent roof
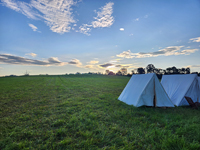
x,y
178,86
141,90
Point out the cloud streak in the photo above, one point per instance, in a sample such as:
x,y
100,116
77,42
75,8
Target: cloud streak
x,y
34,28
171,50
17,60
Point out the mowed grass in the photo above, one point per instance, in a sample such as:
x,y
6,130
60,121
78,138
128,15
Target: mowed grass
x,y
82,112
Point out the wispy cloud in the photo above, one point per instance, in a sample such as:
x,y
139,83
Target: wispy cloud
x,y
193,66
32,54
17,60
121,29
11,4
113,65
57,14
104,17
34,28
197,39
85,29
171,50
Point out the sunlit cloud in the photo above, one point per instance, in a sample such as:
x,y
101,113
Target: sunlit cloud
x,y
92,62
32,54
34,28
197,39
17,60
193,66
104,17
171,50
75,62
121,29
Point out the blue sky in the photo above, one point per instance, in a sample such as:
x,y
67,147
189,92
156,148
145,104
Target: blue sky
x,y
68,36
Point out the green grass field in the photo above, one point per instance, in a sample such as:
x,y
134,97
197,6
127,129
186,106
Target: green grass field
x,y
82,112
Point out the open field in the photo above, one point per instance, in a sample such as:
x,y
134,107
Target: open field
x,y
82,112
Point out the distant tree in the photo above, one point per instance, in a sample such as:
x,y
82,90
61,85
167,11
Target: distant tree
x,y
123,71
150,68
78,73
119,73
129,74
182,71
140,70
199,74
132,71
194,73
187,70
107,72
111,73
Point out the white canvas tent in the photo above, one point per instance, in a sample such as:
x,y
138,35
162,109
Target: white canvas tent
x,y
178,86
142,89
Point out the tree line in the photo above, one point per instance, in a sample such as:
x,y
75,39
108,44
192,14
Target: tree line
x,y
150,68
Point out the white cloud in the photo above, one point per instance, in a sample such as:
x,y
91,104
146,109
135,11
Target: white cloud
x,y
85,29
146,16
171,50
137,19
121,29
33,27
10,4
197,39
32,54
125,54
55,13
104,17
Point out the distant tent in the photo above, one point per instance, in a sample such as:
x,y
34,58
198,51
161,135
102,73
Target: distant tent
x,y
145,89
178,86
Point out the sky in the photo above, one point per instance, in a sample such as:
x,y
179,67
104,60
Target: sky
x,y
69,36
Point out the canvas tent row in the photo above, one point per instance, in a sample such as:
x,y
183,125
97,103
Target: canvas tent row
x,y
145,89
178,86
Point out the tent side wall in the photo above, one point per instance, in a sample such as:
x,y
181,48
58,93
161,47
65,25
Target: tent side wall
x,y
162,99
147,95
192,93
177,86
134,88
